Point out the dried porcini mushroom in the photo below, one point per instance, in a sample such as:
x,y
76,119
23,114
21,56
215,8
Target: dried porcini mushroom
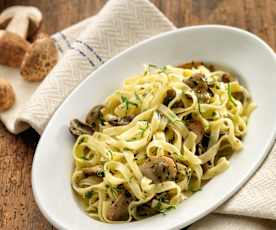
x,y
16,24
78,128
7,96
116,121
13,49
40,58
94,117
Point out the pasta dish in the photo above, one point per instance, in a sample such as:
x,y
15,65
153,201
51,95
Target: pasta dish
x,y
157,140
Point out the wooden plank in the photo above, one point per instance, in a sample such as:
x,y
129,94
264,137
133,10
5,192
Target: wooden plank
x,y
17,209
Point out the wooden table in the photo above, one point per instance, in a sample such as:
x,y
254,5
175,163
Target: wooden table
x,y
17,207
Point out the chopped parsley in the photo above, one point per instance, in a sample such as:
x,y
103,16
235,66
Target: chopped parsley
x,y
131,178
143,129
101,119
88,194
84,158
137,97
163,69
115,191
109,153
230,97
148,67
126,149
162,206
127,102
167,209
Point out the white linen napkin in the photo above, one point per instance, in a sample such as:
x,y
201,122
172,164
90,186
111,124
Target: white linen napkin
x,y
87,45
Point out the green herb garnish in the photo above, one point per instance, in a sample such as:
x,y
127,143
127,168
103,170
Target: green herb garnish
x,y
143,129
127,102
131,178
126,149
115,191
137,97
88,194
109,153
230,97
148,67
163,70
167,209
101,119
84,157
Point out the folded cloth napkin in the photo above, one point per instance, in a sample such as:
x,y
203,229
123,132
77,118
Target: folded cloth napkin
x,y
87,45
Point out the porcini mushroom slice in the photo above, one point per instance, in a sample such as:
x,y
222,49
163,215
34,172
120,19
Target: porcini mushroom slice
x,y
21,20
13,49
159,169
78,128
119,209
196,127
39,59
94,116
7,96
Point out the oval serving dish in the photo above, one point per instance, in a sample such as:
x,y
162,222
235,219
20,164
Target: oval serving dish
x,y
242,52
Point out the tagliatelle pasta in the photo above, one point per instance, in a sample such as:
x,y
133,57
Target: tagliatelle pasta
x,y
157,140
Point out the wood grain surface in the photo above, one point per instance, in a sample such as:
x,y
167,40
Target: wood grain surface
x,y
17,207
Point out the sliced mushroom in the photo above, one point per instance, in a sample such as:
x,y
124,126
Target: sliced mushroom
x,y
116,121
159,169
18,22
226,77
198,83
92,170
39,60
239,96
146,210
196,127
119,209
196,64
170,95
78,128
94,116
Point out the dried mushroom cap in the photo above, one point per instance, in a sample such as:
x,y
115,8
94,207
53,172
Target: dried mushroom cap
x,y
7,96
78,128
39,59
21,20
13,49
18,22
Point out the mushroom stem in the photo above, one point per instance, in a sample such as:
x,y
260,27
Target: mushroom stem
x,y
19,25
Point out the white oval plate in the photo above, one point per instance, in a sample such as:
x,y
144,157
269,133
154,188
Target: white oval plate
x,y
236,49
